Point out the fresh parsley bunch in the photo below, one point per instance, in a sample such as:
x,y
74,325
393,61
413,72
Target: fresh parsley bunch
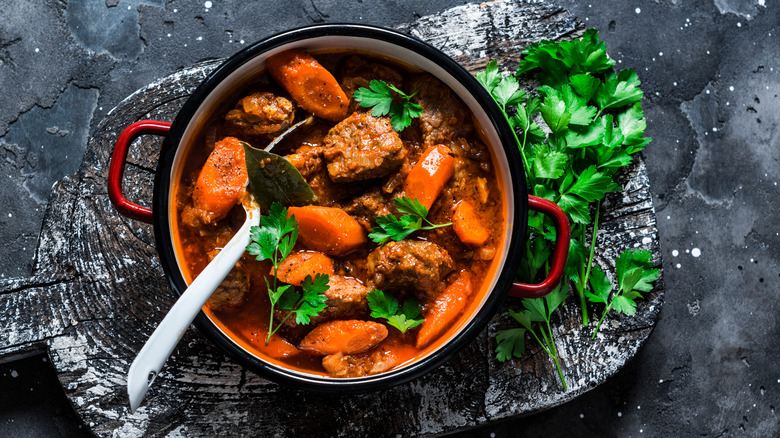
x,y
594,124
273,240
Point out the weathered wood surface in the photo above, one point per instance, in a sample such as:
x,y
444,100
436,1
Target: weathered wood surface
x,y
98,291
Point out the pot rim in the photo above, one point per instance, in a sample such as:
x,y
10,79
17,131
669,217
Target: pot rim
x,y
496,296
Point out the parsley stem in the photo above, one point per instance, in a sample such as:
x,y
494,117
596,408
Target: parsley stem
x,y
541,344
531,179
590,264
602,319
555,357
271,329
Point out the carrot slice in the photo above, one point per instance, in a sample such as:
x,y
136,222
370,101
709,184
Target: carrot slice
x,y
294,269
468,227
221,181
428,177
309,84
345,337
445,309
328,229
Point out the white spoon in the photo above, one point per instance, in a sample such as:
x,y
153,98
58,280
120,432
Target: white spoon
x,y
161,343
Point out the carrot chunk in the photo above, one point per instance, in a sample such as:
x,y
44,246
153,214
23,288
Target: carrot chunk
x,y
467,225
294,269
309,84
221,181
428,177
445,309
345,337
328,229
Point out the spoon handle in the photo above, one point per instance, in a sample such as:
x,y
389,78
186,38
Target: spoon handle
x,y
161,343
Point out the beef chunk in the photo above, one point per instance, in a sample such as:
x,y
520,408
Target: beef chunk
x,y
362,147
233,289
261,113
357,72
444,116
409,265
359,365
367,207
346,300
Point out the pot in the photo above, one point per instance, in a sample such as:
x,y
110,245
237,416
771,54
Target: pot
x,y
226,78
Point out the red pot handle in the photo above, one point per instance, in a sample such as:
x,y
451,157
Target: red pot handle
x,y
116,169
561,251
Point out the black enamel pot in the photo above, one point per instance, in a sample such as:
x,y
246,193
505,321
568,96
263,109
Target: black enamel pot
x,y
497,134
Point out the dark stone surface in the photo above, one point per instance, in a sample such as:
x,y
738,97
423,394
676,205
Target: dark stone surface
x,y
711,78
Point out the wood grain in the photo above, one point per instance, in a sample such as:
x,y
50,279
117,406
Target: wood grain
x,y
98,291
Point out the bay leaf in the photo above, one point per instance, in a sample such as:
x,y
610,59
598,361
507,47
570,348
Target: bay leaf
x,y
273,179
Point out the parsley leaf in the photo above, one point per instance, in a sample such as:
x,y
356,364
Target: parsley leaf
x,y
385,306
619,90
511,343
634,271
593,185
393,228
273,240
379,96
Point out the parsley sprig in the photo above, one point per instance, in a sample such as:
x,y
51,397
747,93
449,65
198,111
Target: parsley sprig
x,y
594,124
634,270
393,228
384,99
273,240
385,306
534,319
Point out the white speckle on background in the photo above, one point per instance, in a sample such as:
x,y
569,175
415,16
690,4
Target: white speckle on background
x,y
620,414
694,308
675,253
207,5
639,407
695,252
37,50
731,88
674,83
14,374
687,251
678,266
660,53
200,38
739,24
714,129
10,215
637,10
662,381
583,415
646,240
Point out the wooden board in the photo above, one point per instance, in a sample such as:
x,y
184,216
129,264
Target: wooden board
x,y
98,291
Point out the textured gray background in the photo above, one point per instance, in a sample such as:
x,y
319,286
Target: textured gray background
x,y
711,78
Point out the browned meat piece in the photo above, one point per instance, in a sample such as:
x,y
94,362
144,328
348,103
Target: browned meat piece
x,y
409,264
359,365
362,147
444,116
356,73
307,159
233,289
261,113
346,299
367,207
